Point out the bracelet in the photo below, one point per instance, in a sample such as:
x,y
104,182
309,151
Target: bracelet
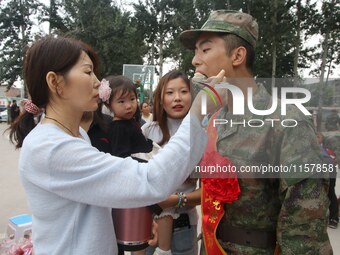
x,y
185,200
179,200
182,200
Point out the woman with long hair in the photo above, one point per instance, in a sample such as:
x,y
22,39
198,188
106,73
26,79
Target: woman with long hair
x,y
172,102
70,185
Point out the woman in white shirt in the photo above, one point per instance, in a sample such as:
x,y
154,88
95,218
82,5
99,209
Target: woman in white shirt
x,y
171,104
70,185
146,114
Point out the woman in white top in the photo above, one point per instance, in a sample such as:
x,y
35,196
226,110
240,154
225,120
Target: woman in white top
x,y
171,104
70,185
146,114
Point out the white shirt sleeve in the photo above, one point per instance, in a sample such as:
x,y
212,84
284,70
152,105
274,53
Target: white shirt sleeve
x,y
74,170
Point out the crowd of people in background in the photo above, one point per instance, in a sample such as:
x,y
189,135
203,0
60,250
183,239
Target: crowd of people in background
x,y
13,111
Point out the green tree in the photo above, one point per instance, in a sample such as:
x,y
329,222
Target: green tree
x,y
156,21
111,32
16,20
327,24
329,28
183,57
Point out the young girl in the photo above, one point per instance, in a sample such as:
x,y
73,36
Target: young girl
x,y
171,104
125,134
69,184
126,138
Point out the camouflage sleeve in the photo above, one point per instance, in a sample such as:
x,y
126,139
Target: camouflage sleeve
x,y
299,149
302,221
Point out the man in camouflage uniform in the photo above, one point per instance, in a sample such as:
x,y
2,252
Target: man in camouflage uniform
x,y
333,121
282,213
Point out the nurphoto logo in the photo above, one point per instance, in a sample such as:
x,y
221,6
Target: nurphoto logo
x,y
238,104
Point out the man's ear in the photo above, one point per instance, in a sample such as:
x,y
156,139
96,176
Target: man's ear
x,y
239,56
53,81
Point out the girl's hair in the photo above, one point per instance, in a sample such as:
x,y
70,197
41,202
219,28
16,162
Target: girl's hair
x,y
121,85
159,114
47,54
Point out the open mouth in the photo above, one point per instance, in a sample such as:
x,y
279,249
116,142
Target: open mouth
x,y
178,107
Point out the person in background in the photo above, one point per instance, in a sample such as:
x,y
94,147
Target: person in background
x,y
15,111
146,114
177,225
71,186
273,214
9,112
327,146
333,121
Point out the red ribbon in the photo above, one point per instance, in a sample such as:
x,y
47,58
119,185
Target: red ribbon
x,y
220,188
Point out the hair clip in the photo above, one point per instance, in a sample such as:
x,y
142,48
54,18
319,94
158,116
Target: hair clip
x,y
105,91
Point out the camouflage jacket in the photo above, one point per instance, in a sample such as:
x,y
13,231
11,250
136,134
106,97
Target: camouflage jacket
x,y
294,205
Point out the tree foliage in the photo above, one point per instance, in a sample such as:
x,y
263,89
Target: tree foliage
x,y
16,21
326,22
156,21
111,32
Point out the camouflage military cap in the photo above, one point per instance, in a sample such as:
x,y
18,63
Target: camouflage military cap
x,y
224,21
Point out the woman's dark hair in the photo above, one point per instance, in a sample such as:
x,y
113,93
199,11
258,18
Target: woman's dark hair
x,y
56,54
159,114
122,85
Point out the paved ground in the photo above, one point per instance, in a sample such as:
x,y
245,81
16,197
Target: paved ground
x,y
12,196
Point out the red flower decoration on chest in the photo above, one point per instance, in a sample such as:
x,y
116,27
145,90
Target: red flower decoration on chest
x,y
222,185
